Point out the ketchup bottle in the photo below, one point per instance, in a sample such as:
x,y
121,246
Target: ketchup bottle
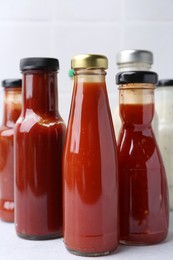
x,y
90,163
144,207
11,112
39,140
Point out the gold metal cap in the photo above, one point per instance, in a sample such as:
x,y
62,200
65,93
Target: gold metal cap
x,y
89,61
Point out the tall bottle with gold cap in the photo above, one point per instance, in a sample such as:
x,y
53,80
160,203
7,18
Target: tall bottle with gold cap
x,y
90,163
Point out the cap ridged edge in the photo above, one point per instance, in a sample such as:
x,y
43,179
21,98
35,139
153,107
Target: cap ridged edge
x,y
89,61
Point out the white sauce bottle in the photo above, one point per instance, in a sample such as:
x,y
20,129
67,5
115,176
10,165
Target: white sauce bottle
x,y
164,107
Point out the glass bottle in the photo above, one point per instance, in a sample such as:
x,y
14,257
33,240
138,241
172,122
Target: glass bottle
x,y
133,60
90,163
11,112
39,140
164,108
144,207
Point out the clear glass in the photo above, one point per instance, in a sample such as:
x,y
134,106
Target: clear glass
x,y
144,206
133,66
90,169
11,112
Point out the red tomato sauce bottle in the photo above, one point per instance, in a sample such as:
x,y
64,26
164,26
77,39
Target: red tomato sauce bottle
x,y
11,112
90,163
144,207
39,140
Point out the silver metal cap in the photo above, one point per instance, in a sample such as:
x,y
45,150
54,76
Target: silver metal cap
x,y
130,56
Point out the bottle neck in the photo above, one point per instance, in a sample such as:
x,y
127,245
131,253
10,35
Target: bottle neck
x,y
12,106
40,92
89,76
134,66
136,103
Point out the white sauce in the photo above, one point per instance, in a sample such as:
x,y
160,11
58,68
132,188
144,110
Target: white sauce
x,y
164,107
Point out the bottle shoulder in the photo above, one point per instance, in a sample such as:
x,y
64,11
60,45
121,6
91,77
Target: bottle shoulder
x,y
6,127
31,121
139,148
6,132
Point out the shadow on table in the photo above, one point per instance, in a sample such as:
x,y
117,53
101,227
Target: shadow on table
x,y
125,248
170,237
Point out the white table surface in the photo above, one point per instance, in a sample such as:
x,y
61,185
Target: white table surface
x,y
15,248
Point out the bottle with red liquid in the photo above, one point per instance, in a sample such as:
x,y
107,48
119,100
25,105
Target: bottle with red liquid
x,y
39,140
144,207
90,163
11,112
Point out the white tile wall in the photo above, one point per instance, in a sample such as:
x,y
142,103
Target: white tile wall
x,y
91,10
62,28
85,38
149,10
38,10
156,37
22,40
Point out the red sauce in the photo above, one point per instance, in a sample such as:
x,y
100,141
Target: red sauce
x,y
144,209
12,110
90,173
39,139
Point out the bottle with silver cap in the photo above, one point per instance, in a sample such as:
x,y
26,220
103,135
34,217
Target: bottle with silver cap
x,y
133,60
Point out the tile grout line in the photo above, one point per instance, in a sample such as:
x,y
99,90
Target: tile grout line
x,y
122,24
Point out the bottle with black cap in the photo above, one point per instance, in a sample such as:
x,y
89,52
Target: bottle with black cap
x,y
39,140
164,108
144,206
11,112
133,60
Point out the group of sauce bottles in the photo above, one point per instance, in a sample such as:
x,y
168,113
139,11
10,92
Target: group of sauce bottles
x,y
102,192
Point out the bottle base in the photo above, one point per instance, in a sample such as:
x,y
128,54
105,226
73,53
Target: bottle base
x,y
79,253
6,216
143,239
40,237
